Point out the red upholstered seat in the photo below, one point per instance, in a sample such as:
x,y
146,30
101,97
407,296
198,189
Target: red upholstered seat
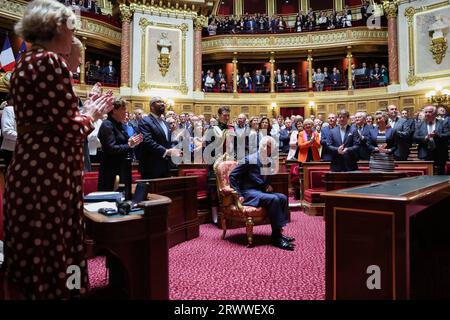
x,y
314,195
201,179
316,179
135,175
90,182
294,174
247,211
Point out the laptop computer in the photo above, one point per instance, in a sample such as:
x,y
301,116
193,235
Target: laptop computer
x,y
140,194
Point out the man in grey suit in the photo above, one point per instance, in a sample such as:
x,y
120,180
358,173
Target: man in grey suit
x,y
404,132
432,136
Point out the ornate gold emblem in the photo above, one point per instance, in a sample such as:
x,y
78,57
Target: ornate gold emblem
x,y
438,48
438,45
164,48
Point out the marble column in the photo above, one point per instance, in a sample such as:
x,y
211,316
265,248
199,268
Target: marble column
x,y
310,70
235,61
199,23
390,11
349,68
126,16
272,72
83,61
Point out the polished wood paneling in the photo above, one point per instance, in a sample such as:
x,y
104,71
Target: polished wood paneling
x,y
183,218
405,234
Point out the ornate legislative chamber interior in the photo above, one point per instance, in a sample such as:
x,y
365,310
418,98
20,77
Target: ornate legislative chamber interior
x,y
166,48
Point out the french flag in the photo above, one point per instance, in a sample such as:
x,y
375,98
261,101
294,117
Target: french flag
x,y
7,60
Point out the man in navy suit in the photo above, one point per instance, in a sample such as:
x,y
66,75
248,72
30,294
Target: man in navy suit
x,y
432,136
324,133
404,131
156,150
255,190
364,133
343,141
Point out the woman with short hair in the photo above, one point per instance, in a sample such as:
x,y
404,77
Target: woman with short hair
x,y
117,146
308,143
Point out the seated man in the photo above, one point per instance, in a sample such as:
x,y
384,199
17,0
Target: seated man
x,y
254,190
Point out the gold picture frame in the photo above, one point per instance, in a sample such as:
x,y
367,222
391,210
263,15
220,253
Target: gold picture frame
x,y
144,85
413,76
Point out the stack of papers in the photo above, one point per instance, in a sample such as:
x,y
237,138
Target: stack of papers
x,y
103,196
94,206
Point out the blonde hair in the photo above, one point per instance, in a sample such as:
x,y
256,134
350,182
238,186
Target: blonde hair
x,y
308,121
42,19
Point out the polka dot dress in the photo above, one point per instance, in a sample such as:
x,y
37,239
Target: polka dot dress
x,y
43,198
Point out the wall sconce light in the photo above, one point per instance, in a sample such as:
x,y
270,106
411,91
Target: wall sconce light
x,y
170,103
312,104
439,96
273,106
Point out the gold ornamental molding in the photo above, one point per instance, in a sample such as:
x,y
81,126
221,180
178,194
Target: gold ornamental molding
x,y
295,41
159,9
438,52
89,28
94,29
143,83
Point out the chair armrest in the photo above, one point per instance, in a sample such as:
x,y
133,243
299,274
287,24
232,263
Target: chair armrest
x,y
230,192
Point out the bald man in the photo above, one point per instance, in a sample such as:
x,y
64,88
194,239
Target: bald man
x,y
432,136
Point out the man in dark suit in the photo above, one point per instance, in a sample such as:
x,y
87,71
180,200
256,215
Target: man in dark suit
x,y
343,141
365,11
156,149
109,72
324,133
432,136
404,131
364,133
255,190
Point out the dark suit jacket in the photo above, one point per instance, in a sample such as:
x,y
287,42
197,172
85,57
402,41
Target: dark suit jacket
x,y
285,137
151,163
440,153
326,152
246,177
391,140
348,161
404,131
115,149
363,153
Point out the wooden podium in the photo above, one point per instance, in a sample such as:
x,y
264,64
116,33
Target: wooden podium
x,y
399,226
136,247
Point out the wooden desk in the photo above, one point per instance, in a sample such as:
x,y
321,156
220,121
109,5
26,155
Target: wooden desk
x,y
342,180
136,247
399,225
183,218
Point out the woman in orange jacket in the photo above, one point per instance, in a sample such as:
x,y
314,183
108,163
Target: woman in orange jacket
x,y
308,143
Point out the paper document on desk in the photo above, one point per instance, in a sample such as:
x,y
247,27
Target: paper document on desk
x,y
103,196
94,206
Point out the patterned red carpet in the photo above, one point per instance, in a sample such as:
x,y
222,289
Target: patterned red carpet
x,y
211,268
208,268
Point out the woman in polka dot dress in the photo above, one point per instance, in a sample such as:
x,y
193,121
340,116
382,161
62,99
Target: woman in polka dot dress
x,y
43,203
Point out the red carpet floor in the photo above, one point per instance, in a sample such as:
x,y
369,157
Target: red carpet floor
x,y
210,268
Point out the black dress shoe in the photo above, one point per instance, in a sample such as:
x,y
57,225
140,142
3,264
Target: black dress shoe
x,y
283,244
287,238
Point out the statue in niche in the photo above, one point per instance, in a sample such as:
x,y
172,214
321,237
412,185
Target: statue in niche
x,y
438,45
164,47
